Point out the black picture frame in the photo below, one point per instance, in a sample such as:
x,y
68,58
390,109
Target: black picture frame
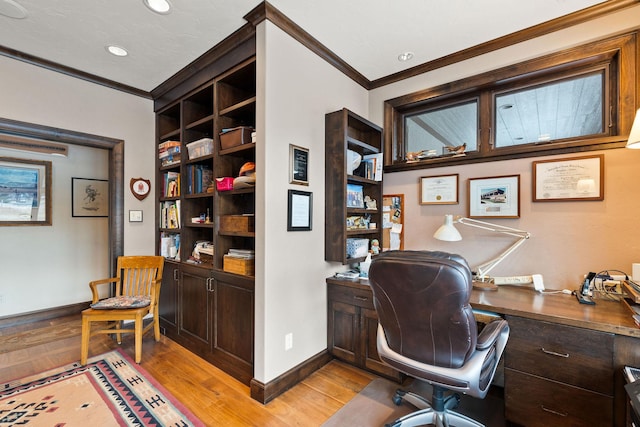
x,y
298,165
299,210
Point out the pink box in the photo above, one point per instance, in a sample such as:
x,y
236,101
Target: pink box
x,y
224,184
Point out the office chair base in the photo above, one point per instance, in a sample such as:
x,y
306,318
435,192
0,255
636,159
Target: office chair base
x,y
438,419
449,402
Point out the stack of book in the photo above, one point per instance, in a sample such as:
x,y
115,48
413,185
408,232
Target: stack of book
x,y
241,253
169,153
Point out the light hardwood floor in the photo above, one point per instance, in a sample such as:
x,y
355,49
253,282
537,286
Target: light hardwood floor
x,y
213,396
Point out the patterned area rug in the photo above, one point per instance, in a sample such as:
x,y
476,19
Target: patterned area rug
x,y
111,390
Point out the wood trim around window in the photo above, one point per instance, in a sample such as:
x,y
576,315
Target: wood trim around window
x,y
621,51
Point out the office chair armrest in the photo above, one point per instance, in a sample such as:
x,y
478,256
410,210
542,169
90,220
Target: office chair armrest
x,y
94,287
490,334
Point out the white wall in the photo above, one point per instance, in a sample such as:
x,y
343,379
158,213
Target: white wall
x,y
568,238
290,271
45,267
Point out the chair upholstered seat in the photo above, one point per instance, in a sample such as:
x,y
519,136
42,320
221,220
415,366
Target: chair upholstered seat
x,y
427,329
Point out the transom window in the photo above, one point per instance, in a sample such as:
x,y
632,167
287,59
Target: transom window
x,y
566,102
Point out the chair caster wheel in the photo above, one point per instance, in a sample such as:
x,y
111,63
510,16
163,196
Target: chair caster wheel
x,y
397,398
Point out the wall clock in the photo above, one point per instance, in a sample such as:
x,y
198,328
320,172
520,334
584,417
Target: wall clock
x,y
140,187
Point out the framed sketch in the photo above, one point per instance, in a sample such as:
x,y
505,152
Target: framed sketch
x,y
298,165
569,179
89,197
439,190
300,207
494,197
25,192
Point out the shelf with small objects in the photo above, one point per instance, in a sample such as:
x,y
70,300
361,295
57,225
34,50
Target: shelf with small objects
x,y
353,185
236,175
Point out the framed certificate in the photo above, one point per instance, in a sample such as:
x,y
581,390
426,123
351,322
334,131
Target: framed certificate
x,y
439,190
300,207
569,179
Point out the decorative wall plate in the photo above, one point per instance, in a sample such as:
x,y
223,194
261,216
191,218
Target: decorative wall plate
x,y
140,187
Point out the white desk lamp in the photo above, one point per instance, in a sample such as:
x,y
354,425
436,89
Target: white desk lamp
x,y
634,136
448,232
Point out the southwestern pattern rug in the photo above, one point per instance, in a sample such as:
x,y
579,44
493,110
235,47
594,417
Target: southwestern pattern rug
x,y
111,390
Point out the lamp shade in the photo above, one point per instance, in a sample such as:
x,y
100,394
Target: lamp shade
x,y
447,231
634,136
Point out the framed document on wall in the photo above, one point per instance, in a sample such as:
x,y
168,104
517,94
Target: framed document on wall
x,y
569,179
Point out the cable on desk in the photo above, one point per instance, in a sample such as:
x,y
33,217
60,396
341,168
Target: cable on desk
x,y
608,291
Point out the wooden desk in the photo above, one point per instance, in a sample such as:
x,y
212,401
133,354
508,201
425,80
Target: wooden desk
x,y
563,361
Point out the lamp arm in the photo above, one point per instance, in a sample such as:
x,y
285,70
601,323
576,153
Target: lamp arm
x,y
492,227
485,268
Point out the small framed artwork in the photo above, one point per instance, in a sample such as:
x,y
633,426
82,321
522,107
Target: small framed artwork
x,y
439,190
355,196
89,197
569,179
494,197
298,165
300,207
135,216
25,192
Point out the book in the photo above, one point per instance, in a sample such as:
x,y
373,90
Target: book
x,y
375,165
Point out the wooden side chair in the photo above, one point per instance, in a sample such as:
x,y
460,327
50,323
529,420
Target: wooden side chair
x,y
137,289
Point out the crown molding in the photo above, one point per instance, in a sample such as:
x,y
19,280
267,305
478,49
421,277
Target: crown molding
x,y
72,72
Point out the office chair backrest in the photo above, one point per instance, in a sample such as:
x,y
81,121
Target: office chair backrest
x,y
422,301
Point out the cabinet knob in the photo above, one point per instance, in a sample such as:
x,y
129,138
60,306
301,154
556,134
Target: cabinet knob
x,y
360,298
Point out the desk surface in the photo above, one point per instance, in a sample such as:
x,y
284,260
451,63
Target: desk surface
x,y
605,316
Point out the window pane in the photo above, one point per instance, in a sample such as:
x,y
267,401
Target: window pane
x,y
434,132
566,109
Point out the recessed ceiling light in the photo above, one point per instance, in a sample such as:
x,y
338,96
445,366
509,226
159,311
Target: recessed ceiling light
x,y
405,56
159,6
116,50
12,9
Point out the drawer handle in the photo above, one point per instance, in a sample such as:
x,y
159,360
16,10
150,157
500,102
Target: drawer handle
x,y
358,297
562,414
553,353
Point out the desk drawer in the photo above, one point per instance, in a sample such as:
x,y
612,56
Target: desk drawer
x,y
532,401
575,356
357,297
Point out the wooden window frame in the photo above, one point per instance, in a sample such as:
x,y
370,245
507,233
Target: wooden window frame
x,y
616,56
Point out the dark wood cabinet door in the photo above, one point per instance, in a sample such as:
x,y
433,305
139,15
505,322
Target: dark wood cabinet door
x,y
168,302
344,331
233,331
195,317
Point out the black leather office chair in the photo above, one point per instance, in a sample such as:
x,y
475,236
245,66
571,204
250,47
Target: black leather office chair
x,y
427,330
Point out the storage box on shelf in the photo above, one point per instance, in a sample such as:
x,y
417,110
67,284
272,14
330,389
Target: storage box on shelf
x,y
237,223
230,138
242,266
200,148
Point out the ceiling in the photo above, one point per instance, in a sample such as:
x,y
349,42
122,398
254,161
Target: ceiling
x,y
367,34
